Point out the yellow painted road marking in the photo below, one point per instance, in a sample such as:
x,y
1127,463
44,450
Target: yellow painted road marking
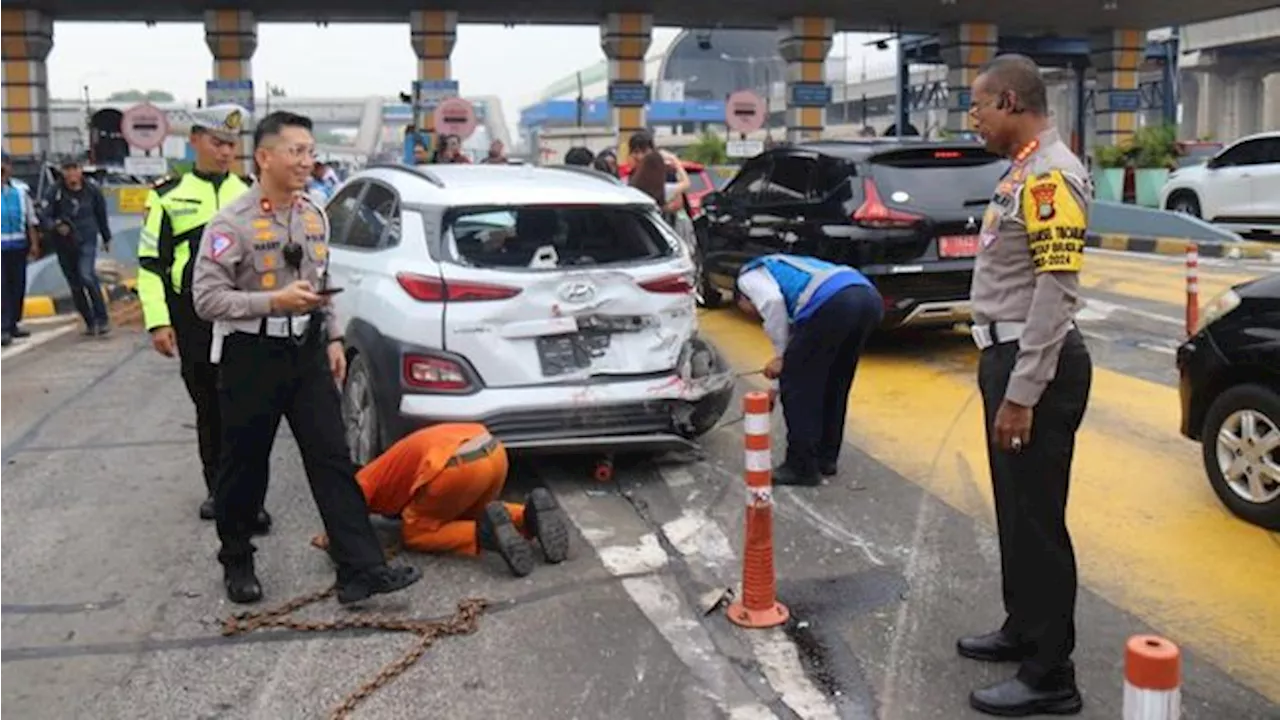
x,y
1157,281
1150,535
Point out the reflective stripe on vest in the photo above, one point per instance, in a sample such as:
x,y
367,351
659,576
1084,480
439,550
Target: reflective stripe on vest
x,y
797,277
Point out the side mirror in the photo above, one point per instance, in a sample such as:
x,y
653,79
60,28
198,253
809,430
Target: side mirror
x,y
712,199
1213,163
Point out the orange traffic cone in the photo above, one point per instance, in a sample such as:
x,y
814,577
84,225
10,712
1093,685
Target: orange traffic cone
x,y
1152,679
759,606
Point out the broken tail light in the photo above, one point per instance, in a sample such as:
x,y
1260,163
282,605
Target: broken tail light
x,y
873,213
424,288
433,373
676,284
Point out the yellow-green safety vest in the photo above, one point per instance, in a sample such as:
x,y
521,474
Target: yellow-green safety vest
x,y
177,211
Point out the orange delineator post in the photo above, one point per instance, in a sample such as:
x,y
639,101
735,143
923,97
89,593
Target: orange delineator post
x,y
1193,288
759,606
1152,679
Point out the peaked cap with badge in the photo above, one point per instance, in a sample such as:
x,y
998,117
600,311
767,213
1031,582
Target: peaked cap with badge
x,y
225,121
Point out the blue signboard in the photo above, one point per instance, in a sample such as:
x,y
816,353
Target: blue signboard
x,y
1123,100
963,100
809,94
430,93
239,92
628,94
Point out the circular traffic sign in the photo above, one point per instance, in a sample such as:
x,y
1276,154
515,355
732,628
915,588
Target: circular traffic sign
x,y
144,126
744,112
455,116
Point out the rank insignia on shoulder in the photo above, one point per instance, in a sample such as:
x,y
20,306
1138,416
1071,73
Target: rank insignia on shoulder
x,y
162,180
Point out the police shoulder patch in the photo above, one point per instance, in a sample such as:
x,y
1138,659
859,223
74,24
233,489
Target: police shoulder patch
x,y
219,243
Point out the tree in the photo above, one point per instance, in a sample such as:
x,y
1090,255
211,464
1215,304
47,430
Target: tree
x,y
158,96
709,150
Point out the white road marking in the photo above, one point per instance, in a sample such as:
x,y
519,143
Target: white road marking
x,y
1162,349
36,340
706,547
659,598
1106,309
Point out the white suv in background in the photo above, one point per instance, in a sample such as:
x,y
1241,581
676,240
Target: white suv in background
x,y
1239,188
551,304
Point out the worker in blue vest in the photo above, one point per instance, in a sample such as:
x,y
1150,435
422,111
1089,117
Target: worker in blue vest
x,y
818,316
21,241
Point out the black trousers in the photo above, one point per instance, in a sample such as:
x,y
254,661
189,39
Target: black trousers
x,y
76,259
13,285
1037,562
201,378
817,374
262,379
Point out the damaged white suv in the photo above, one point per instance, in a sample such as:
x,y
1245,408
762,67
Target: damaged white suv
x,y
551,304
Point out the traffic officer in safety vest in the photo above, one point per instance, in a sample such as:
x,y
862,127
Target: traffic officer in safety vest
x,y
818,317
178,208
261,278
1034,375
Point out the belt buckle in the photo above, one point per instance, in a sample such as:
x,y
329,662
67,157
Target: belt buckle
x,y
982,336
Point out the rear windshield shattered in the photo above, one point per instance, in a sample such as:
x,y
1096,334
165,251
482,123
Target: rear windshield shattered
x,y
548,237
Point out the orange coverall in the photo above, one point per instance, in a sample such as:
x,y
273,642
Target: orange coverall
x,y
439,480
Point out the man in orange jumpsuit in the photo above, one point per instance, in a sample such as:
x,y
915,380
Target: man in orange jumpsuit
x,y
443,481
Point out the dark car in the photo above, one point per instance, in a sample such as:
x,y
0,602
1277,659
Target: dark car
x,y
904,212
1230,391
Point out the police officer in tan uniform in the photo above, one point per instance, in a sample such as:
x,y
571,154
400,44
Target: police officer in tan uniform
x,y
261,278
1034,375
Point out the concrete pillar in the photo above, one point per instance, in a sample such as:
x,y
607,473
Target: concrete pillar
x,y
1246,91
433,33
804,45
1189,99
1213,107
27,40
965,49
1271,101
232,37
625,39
1116,101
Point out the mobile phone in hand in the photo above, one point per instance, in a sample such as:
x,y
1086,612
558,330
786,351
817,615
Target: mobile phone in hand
x,y
329,291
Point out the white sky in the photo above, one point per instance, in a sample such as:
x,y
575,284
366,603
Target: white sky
x,y
515,64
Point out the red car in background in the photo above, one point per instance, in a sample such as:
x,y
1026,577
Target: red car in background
x,y
702,180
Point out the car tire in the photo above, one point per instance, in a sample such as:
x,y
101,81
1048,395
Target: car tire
x,y
360,413
1184,201
1263,406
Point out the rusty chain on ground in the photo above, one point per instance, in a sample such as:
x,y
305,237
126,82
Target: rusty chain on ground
x,y
464,622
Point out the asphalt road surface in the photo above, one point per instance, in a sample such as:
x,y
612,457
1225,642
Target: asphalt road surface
x,y
112,599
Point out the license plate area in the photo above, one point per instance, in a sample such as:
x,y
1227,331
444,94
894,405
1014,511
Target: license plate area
x,y
957,246
570,353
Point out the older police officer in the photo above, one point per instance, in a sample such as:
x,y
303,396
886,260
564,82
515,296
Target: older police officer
x,y
818,316
1034,375
260,279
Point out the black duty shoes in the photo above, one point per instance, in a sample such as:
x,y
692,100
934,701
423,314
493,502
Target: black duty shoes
x,y
1015,698
379,580
545,520
496,532
784,474
992,647
241,582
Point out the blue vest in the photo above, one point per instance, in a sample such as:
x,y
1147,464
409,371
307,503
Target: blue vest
x,y
13,207
806,282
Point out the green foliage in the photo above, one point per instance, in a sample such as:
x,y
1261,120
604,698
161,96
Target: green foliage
x,y
1111,156
709,150
155,96
178,167
1155,146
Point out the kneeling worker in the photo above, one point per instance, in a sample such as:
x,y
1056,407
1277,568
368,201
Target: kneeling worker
x,y
818,316
444,481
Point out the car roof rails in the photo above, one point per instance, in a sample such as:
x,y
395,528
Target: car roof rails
x,y
416,170
588,171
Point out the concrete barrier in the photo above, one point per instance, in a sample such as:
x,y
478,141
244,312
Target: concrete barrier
x,y
1238,250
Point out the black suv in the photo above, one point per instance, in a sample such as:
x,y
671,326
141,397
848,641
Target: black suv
x,y
904,212
1230,391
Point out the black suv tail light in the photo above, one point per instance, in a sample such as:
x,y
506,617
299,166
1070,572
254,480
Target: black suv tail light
x,y
873,213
